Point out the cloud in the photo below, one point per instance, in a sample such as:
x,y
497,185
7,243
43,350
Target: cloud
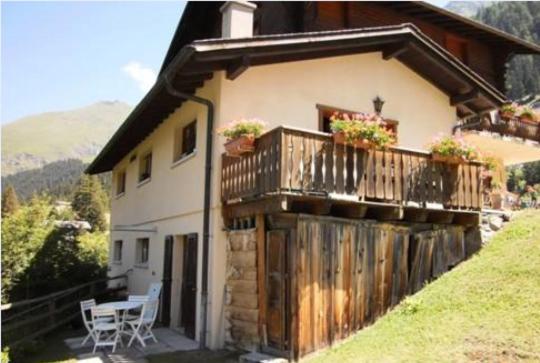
x,y
144,76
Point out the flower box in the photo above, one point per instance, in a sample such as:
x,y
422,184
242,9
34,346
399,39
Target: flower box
x,y
339,138
528,119
448,159
240,145
506,115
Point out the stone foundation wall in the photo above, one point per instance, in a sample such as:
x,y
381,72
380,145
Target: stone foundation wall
x,y
241,299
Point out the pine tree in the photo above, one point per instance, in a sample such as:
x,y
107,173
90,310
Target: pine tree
x,y
89,202
10,201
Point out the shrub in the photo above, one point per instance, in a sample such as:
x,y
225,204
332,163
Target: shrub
x,y
363,127
527,112
509,108
243,127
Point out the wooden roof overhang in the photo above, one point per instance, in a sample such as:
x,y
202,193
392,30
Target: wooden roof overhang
x,y
463,25
197,62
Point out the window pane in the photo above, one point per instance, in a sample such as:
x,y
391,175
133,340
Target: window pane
x,y
189,135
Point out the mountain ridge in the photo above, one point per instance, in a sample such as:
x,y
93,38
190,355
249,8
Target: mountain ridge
x,y
36,140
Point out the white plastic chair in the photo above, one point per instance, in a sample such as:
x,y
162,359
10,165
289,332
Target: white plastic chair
x,y
154,290
86,305
141,327
108,330
136,298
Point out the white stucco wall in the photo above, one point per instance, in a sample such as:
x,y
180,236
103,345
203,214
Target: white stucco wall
x,y
286,94
281,94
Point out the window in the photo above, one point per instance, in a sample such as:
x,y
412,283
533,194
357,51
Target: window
x,y
117,251
121,182
185,141
145,167
141,257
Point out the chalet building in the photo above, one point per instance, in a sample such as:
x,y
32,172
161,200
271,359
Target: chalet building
x,y
302,242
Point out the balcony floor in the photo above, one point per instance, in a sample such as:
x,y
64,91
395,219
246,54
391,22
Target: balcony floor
x,y
347,207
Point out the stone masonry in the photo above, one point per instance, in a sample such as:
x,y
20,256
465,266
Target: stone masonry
x,y
241,300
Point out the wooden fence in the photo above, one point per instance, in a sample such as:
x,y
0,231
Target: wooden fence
x,y
30,319
298,161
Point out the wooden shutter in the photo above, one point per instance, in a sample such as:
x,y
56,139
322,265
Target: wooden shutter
x,y
167,281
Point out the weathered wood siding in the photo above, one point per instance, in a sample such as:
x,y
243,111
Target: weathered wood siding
x,y
344,273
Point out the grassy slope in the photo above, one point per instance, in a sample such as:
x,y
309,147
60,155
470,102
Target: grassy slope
x,y
486,309
52,136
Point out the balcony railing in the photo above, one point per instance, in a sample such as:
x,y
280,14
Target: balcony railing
x,y
513,127
288,160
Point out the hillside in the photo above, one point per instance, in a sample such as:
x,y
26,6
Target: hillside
x,y
33,141
485,310
57,179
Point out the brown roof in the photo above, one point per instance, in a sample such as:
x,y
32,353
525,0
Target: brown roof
x,y
197,61
200,18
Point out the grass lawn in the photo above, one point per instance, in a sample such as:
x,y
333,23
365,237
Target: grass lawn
x,y
486,309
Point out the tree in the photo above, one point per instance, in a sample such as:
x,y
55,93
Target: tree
x,y
89,202
10,201
23,233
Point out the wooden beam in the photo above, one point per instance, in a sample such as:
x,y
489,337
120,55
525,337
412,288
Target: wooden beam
x,y
261,275
440,217
464,97
415,215
467,219
394,50
385,213
272,204
237,67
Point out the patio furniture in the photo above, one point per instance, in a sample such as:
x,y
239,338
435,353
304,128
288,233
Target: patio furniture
x,y
106,333
86,305
154,290
141,327
136,298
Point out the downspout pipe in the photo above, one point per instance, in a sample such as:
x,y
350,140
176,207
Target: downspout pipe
x,y
207,197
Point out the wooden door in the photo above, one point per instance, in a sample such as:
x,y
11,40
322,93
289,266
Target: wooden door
x,y
277,291
189,286
167,279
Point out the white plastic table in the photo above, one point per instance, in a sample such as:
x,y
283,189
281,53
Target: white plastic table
x,y
121,305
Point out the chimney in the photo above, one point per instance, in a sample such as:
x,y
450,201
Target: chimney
x,y
237,19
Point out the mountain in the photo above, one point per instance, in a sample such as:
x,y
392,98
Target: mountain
x,y
467,8
33,141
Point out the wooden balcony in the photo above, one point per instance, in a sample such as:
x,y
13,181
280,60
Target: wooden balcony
x,y
308,172
513,127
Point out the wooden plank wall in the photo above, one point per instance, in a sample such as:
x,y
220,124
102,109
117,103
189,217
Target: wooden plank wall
x,y
345,274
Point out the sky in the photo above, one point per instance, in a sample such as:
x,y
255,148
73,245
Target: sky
x,y
63,55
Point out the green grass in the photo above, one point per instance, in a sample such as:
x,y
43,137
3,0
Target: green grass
x,y
486,309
